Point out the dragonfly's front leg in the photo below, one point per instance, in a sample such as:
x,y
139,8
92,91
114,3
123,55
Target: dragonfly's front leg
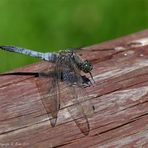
x,y
86,81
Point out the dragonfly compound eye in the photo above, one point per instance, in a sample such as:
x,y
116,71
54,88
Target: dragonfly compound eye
x,y
86,66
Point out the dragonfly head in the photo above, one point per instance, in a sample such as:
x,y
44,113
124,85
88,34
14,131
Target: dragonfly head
x,y
86,66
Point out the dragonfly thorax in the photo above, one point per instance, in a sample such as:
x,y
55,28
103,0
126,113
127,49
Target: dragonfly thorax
x,y
69,55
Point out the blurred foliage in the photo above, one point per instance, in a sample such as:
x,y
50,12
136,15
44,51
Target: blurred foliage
x,y
49,25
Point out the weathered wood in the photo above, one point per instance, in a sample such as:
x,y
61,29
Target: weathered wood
x,y
120,97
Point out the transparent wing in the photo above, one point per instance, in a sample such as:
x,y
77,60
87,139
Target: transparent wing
x,y
50,94
84,99
79,105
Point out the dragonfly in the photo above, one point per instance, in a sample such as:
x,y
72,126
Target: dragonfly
x,y
66,67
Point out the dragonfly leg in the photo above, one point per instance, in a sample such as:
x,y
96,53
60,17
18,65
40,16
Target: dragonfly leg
x,y
86,81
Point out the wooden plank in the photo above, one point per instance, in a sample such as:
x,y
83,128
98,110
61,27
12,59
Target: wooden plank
x,y
120,97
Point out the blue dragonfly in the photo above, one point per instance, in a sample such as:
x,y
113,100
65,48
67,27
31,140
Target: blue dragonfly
x,y
67,67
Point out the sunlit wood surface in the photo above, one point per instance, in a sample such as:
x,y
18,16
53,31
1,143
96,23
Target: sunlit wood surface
x,y
119,95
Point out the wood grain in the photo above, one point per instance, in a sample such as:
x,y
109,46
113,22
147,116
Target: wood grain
x,y
120,97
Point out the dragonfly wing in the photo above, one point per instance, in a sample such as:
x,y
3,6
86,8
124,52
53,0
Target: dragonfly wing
x,y
84,99
77,96
49,90
76,110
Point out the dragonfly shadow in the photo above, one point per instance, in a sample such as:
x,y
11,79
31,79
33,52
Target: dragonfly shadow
x,y
86,82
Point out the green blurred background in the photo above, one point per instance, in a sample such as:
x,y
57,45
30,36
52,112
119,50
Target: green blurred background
x,y
49,25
